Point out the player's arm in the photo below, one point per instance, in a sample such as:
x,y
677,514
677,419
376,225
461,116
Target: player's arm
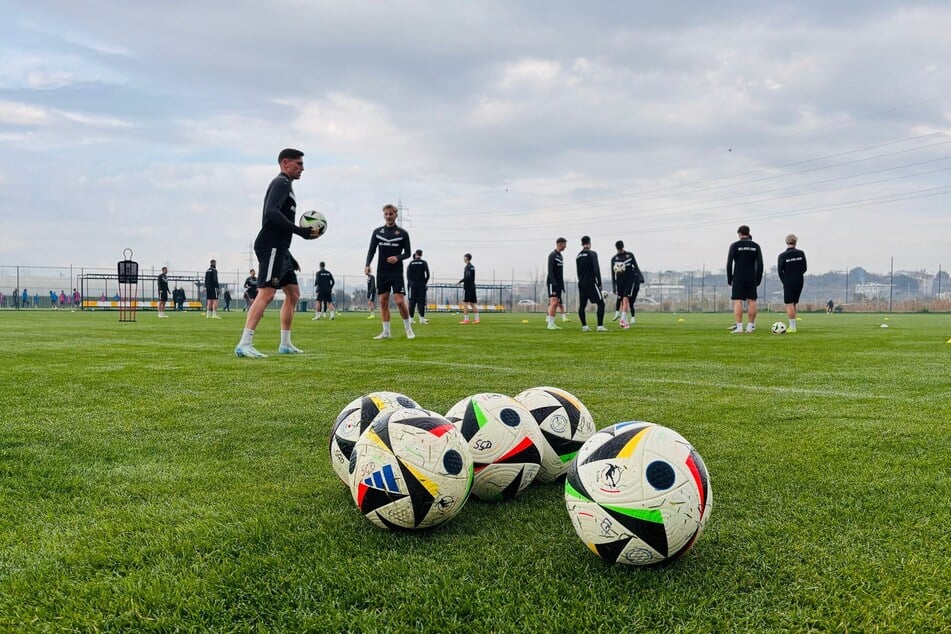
x,y
759,266
272,211
781,267
425,273
551,267
406,252
804,268
374,243
729,267
597,270
637,269
332,280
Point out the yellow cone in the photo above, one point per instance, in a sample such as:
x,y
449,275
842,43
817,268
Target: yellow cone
x,y
524,321
681,319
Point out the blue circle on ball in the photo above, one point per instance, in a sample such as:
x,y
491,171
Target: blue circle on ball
x,y
660,475
510,417
452,462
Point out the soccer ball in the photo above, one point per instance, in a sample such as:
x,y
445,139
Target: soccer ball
x,y
565,424
638,494
410,470
353,421
505,443
778,328
314,220
619,267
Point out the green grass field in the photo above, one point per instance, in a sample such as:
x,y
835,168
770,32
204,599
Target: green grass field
x,y
150,480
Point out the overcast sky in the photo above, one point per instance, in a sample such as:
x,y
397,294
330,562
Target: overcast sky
x,y
499,125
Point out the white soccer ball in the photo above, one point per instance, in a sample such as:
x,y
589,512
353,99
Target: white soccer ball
x,y
638,494
411,469
314,220
353,420
505,442
619,267
778,328
565,423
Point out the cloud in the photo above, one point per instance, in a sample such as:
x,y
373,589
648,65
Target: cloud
x,y
22,114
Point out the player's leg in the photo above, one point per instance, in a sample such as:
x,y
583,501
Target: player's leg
x,y
245,347
552,307
582,305
751,313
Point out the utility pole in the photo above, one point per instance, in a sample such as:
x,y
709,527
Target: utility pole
x,y
401,212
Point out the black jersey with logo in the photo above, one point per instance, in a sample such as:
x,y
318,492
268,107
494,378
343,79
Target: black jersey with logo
x,y
791,265
744,263
589,270
389,241
278,218
417,272
324,280
556,271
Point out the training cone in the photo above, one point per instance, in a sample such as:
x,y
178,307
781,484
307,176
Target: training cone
x,y
681,319
884,326
524,321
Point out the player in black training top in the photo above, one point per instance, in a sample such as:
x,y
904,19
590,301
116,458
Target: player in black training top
x,y
555,281
417,277
276,265
626,279
162,291
250,288
392,242
371,294
744,272
324,292
589,284
791,268
469,299
212,288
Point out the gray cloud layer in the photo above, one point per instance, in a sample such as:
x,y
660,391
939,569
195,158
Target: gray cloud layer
x,y
500,125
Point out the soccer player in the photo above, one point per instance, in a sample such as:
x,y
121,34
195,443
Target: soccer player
x,y
791,267
744,272
469,300
211,291
162,291
392,242
555,280
324,288
371,295
417,277
272,246
589,284
250,289
626,277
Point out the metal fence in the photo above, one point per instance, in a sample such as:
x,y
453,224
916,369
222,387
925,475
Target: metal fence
x,y
667,291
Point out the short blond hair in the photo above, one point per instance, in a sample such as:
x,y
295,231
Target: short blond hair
x,y
791,239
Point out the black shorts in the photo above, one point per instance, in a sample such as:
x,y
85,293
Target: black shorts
x,y
743,290
555,291
163,296
417,292
469,294
211,293
628,287
325,296
791,291
278,268
590,293
390,282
